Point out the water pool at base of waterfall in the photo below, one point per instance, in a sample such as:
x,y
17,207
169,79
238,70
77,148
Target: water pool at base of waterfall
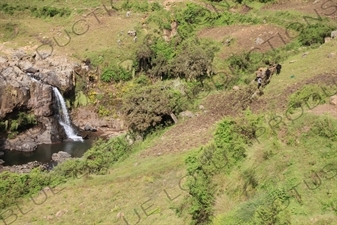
x,y
44,152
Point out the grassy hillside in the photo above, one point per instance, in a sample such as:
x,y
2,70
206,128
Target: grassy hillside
x,y
234,162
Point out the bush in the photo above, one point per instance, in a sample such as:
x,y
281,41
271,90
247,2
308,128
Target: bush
x,y
21,122
147,107
141,6
10,9
155,6
116,75
49,11
314,34
325,127
143,80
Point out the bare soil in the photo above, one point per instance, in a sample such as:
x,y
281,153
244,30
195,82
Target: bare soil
x,y
244,38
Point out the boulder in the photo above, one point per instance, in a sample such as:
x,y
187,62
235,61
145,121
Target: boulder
x,y
1,153
333,100
87,127
187,113
1,162
236,88
259,41
61,156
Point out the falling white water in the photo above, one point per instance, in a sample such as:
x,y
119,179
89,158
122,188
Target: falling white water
x,y
64,117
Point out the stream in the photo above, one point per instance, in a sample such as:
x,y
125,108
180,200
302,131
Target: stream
x,y
44,152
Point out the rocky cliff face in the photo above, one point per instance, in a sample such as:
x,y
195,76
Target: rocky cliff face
x,y
26,83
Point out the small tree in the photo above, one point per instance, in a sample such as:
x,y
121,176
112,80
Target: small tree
x,y
194,62
147,107
314,34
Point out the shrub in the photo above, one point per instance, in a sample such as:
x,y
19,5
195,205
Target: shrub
x,y
143,80
141,6
49,11
21,122
147,107
155,6
10,9
116,75
314,34
325,127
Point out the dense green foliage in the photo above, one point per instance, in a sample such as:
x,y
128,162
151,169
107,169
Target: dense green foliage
x,y
219,157
191,59
116,75
10,9
314,34
21,122
148,107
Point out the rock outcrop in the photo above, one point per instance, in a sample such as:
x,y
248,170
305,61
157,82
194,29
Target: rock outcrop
x,y
25,168
26,83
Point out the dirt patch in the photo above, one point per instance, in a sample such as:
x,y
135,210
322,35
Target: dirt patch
x,y
198,130
326,108
246,37
280,102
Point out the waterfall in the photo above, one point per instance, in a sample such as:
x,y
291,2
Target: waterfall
x,y
64,117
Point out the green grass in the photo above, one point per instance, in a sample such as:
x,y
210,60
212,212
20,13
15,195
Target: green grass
x,y
316,62
98,199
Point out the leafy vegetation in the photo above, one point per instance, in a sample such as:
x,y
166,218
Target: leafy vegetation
x,y
226,151
116,75
22,121
14,186
48,11
150,106
314,34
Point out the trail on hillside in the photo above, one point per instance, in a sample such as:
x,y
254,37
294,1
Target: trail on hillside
x,y
198,130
